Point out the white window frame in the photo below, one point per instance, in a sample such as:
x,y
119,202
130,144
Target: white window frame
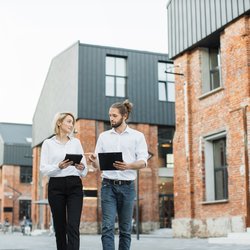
x,y
166,84
207,71
116,76
209,165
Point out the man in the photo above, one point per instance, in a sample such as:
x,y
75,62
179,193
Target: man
x,y
118,189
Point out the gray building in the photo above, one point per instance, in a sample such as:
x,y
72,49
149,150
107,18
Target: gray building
x,y
86,79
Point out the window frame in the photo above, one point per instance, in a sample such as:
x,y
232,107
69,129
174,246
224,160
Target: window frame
x,y
116,77
208,70
25,175
211,190
164,94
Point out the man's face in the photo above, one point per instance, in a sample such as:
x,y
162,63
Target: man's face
x,y
116,119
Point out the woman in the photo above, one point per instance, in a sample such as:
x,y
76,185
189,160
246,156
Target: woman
x,y
65,192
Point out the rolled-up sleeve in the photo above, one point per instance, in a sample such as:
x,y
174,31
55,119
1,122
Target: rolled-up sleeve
x,y
141,149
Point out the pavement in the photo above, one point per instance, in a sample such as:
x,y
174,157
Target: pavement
x,y
159,240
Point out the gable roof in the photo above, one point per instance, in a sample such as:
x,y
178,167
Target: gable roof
x,y
15,134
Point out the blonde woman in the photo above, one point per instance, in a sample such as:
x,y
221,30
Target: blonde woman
x,y
65,193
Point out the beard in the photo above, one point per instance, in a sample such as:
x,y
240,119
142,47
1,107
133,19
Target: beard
x,y
117,124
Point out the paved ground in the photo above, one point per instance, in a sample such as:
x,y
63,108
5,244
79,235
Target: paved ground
x,y
157,241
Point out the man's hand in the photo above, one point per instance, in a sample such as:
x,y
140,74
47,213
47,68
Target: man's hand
x,y
120,165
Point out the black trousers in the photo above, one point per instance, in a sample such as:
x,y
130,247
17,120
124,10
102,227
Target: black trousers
x,y
65,197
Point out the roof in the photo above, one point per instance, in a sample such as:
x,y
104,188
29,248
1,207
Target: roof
x,y
14,133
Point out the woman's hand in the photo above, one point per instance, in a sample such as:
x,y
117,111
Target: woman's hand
x,y
64,164
80,166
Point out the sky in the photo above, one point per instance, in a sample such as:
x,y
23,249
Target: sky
x,y
33,32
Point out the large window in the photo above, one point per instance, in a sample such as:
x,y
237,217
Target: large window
x,y
116,76
216,168
210,63
166,87
25,174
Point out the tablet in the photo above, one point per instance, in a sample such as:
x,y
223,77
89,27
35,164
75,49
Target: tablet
x,y
76,158
106,160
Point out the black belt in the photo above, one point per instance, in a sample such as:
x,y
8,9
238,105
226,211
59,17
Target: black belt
x,y
117,182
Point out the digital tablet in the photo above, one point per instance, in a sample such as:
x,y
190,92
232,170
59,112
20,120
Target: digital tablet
x,y
76,158
106,160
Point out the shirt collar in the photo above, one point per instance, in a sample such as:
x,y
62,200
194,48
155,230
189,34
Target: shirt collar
x,y
127,130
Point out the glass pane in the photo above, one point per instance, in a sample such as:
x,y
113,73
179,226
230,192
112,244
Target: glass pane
x,y
171,92
215,79
162,76
219,153
110,65
120,86
162,91
170,68
214,56
110,86
120,67
219,183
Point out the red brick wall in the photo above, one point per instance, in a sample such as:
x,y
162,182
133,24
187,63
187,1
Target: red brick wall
x,y
11,177
197,117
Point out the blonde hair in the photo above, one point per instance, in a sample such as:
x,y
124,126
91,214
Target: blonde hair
x,y
59,117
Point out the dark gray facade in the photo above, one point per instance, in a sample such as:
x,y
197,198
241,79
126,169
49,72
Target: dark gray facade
x,y
194,22
15,144
76,83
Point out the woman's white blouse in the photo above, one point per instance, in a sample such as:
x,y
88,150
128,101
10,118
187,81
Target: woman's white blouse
x,y
53,152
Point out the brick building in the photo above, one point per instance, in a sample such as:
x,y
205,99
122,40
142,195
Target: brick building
x,y
209,42
15,172
86,80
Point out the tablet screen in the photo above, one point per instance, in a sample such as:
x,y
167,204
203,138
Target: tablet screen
x,y
106,160
76,158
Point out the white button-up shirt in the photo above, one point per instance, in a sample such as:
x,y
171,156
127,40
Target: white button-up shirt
x,y
53,152
131,143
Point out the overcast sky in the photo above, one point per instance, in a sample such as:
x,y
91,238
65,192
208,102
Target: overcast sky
x,y
33,32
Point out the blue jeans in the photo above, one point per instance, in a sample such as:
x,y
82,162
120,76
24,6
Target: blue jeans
x,y
117,199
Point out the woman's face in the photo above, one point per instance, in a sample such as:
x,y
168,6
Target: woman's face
x,y
67,125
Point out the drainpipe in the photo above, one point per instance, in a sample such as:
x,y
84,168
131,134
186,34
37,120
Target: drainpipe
x,y
246,159
246,162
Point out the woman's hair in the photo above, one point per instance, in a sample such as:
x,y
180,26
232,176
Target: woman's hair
x,y
59,117
123,107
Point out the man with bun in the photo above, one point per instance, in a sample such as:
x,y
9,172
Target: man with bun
x,y
118,187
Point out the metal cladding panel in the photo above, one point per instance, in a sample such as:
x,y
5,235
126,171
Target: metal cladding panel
x,y
1,151
142,85
191,21
17,155
59,93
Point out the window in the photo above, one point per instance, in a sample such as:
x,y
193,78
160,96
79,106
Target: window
x,y
165,147
216,168
166,87
25,174
210,65
116,76
24,209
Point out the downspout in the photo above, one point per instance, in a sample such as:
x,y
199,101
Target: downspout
x,y
246,159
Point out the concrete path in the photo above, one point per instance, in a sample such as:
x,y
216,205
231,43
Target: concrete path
x,y
160,240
